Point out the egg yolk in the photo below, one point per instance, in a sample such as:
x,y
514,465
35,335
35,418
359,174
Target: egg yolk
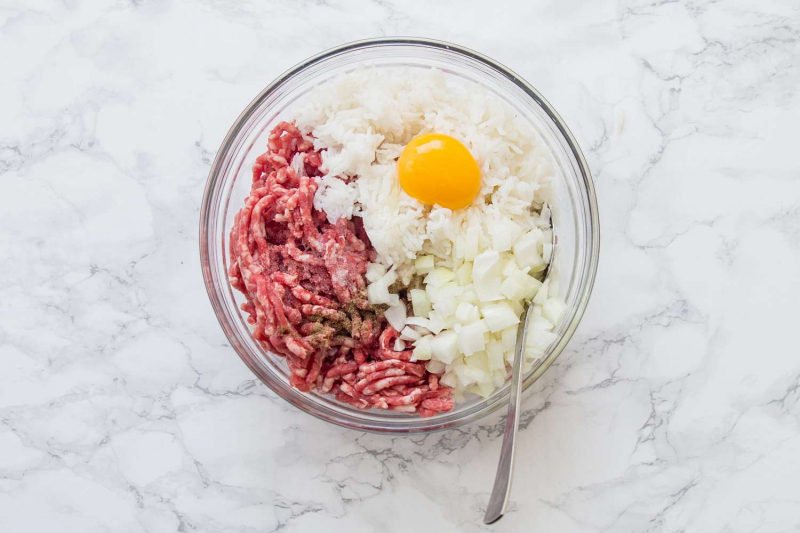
x,y
438,169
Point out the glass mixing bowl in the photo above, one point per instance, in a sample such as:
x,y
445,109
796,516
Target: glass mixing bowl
x,y
574,207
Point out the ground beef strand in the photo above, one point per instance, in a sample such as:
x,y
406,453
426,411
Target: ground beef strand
x,y
303,280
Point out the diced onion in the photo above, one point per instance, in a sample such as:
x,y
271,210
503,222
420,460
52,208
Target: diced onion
x,y
486,264
399,345
435,367
552,309
469,295
409,333
494,353
526,250
470,337
422,349
512,288
435,322
509,268
509,337
541,340
540,323
464,274
420,302
479,360
541,295
389,278
467,313
499,316
445,302
488,289
424,264
417,321
378,293
505,233
531,284
499,377
375,271
468,308
449,380
468,375
484,388
396,316
438,277
444,346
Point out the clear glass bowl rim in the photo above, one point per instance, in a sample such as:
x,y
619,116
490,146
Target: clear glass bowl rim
x,y
308,403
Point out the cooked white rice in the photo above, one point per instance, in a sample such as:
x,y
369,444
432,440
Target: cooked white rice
x,y
363,119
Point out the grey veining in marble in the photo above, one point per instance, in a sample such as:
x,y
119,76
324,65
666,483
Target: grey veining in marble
x,y
675,408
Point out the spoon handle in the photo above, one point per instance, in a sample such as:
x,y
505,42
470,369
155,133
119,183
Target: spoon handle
x,y
505,468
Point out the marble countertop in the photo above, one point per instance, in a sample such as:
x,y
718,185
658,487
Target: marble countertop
x,y
676,406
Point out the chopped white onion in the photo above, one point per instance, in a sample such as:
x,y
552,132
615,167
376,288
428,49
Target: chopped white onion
x,y
420,302
435,367
470,337
469,296
389,278
409,333
478,360
464,274
504,234
396,316
526,250
399,345
486,264
445,301
378,293
509,337
541,340
499,316
552,309
422,349
439,276
375,271
435,322
378,290
444,346
488,289
424,264
449,380
512,288
494,353
417,321
484,388
541,295
468,375
467,313
540,323
499,378
531,284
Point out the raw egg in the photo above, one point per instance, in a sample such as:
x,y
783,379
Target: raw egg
x,y
438,169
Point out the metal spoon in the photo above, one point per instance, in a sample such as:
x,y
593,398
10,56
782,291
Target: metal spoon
x,y
505,467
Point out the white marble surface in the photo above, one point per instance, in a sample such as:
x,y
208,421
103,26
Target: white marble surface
x,y
675,408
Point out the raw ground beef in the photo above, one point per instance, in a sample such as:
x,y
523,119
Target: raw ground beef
x,y
303,279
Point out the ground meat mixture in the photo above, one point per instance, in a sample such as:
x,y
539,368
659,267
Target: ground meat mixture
x,y
303,280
